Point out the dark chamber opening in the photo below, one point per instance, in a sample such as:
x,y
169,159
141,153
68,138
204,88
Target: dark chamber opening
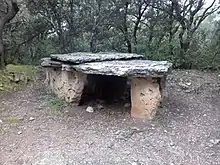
x,y
108,88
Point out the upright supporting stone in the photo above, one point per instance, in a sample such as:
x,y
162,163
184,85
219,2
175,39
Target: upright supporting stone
x,y
66,85
47,74
73,85
145,97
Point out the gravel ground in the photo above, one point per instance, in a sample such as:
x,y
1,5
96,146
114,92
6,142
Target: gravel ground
x,y
186,130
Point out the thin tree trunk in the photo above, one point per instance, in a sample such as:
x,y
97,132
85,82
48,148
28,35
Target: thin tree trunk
x,y
61,37
184,47
171,34
93,48
129,46
2,52
127,40
138,21
93,39
136,30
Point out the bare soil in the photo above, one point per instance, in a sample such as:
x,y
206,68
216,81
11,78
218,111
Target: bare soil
x,y
186,130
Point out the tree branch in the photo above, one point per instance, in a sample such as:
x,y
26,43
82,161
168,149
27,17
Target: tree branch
x,y
12,10
205,14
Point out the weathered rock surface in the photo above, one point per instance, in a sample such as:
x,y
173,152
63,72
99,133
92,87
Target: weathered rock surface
x,y
132,68
47,62
124,68
66,85
81,57
145,97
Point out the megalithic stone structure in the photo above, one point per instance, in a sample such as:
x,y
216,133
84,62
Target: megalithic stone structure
x,y
66,75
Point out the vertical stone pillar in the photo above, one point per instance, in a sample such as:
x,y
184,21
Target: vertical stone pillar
x,y
145,97
73,85
66,85
47,77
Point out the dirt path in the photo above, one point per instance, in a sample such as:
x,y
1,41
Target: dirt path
x,y
186,130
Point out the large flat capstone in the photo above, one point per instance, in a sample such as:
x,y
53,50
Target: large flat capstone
x,y
80,57
131,68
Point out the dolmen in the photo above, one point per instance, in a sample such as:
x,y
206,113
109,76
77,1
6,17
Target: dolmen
x,y
67,75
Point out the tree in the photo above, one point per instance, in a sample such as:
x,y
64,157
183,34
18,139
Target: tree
x,y
132,14
189,14
159,29
8,10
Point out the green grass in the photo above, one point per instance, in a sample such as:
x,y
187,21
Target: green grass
x,y
56,104
28,70
5,82
12,120
15,75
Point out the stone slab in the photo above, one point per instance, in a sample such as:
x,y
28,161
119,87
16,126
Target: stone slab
x,y
82,57
47,62
66,85
145,97
131,68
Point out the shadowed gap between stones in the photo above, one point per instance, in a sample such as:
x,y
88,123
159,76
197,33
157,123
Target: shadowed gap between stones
x,y
109,89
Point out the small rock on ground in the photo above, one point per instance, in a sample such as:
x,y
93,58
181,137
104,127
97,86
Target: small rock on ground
x,y
135,163
20,132
89,109
31,119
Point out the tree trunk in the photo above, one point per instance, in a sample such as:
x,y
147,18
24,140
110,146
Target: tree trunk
x,y
141,12
129,46
61,36
184,47
12,9
93,39
171,34
135,32
61,42
2,52
126,35
92,43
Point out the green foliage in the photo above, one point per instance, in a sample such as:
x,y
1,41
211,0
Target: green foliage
x,y
15,76
109,25
27,70
5,82
54,102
